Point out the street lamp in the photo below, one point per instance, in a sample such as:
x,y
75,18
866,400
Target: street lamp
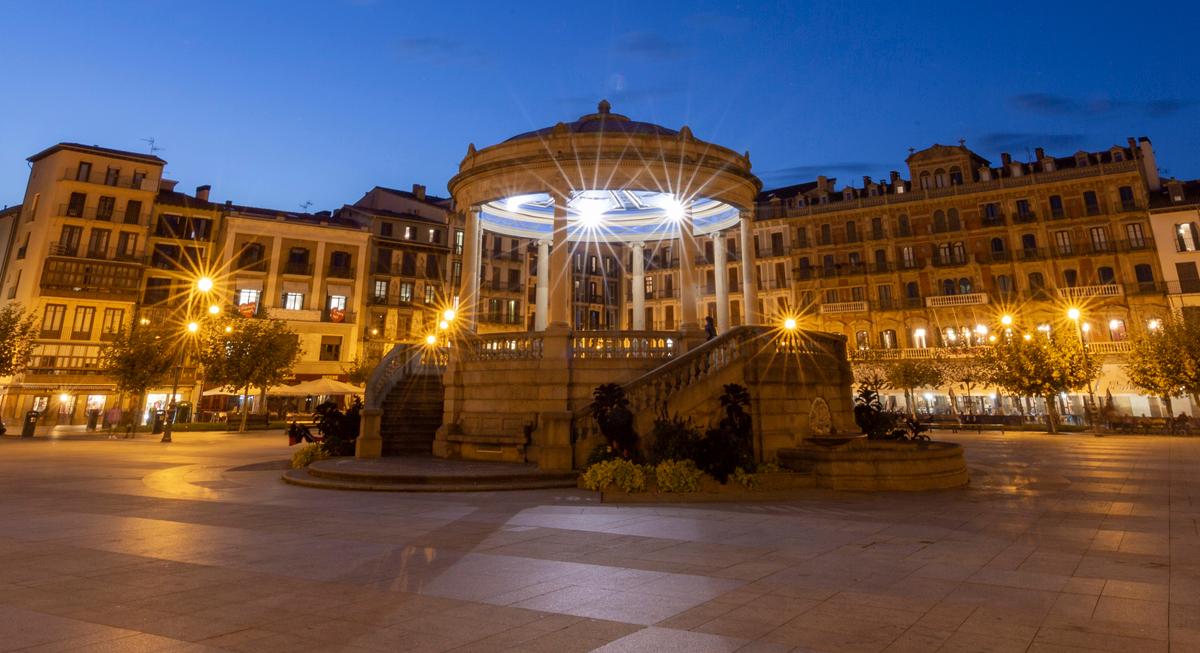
x,y
192,327
1081,328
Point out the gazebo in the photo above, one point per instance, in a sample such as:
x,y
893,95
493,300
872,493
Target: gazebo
x,y
607,180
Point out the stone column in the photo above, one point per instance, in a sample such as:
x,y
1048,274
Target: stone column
x,y
469,292
560,268
639,286
542,293
749,282
688,320
721,277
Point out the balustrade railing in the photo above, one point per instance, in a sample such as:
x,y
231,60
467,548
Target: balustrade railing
x,y
503,346
624,344
402,361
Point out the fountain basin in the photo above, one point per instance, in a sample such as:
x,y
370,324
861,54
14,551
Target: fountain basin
x,y
861,464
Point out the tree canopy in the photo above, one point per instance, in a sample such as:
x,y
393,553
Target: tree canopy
x,y
17,333
1041,365
137,360
249,352
1166,361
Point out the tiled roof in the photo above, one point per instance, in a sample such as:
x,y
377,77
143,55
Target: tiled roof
x,y
105,151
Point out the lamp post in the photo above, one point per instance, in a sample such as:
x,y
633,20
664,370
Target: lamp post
x,y
1074,315
204,285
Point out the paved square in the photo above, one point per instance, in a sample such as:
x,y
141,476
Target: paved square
x,y
1066,543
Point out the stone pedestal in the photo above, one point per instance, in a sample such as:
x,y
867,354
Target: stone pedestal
x,y
369,443
553,440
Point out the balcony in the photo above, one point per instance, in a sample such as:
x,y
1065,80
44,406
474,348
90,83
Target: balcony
x,y
1110,348
994,221
298,268
1088,292
99,178
259,265
844,307
953,260
91,213
297,315
968,299
101,279
1025,218
340,272
337,317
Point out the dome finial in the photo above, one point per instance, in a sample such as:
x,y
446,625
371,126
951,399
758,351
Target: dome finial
x,y
604,107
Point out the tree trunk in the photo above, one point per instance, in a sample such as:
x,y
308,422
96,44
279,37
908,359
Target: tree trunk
x,y
245,408
1167,404
1051,414
135,412
908,403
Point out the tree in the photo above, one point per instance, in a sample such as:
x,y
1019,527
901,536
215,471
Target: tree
x,y
1166,361
967,372
137,360
359,370
610,409
1037,365
17,333
908,375
249,352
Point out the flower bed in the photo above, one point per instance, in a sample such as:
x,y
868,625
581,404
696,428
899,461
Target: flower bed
x,y
763,486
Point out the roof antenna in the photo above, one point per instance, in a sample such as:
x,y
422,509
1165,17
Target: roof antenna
x,y
153,148
305,204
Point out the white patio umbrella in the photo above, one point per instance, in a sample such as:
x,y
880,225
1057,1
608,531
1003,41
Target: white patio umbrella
x,y
329,387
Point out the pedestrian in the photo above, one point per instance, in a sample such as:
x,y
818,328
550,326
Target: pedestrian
x,y
710,329
114,421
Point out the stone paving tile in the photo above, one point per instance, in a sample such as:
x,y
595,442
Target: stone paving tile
x,y
1070,543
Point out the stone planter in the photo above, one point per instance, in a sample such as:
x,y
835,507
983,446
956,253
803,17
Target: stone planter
x,y
771,486
880,465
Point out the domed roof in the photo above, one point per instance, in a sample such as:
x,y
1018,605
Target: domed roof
x,y
602,121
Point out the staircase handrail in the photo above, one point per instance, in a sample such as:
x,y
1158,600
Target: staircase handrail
x,y
402,361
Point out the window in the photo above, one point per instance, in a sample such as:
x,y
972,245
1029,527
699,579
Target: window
x,y
68,241
408,232
105,206
939,221
381,291
336,303
826,235
965,286
133,212
956,176
953,222
456,273
829,263
1062,242
138,178
876,229
948,287
1091,205
1099,236
406,292
1145,275
1056,206
1028,242
907,257
75,205
1189,280
331,348
831,296
435,236
1036,281
339,263
158,290
430,293
84,172
912,290
52,320
81,327
887,339
1004,283
851,232
114,319
903,227
862,339
1116,330
884,292
1187,237
1105,275
251,254
1135,235
293,301
991,213
98,243
1023,210
918,338
459,238
385,229
1071,277
1127,201
249,297
433,267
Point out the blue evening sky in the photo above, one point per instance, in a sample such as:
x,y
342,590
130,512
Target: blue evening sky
x,y
279,103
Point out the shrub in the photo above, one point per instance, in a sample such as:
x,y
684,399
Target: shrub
x,y
746,479
673,438
622,473
678,476
611,411
728,446
600,453
308,454
339,429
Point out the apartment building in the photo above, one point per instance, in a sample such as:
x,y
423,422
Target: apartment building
x,y
1175,221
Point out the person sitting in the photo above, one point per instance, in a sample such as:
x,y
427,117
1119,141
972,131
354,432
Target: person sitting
x,y
298,433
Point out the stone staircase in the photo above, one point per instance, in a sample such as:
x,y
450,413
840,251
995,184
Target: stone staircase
x,y
412,414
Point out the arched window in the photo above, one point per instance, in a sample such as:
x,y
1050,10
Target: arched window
x,y
956,176
1116,330
959,252
997,245
1028,242
918,338
948,286
1071,277
953,222
904,228
939,221
887,339
1106,275
1036,281
925,180
939,177
964,286
862,339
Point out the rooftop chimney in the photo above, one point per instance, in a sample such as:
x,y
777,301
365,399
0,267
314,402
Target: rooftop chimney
x,y
822,182
419,191
1149,165
866,181
167,185
894,177
1039,153
202,192
1005,159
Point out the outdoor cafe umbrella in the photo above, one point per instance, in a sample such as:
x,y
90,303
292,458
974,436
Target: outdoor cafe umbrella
x,y
325,386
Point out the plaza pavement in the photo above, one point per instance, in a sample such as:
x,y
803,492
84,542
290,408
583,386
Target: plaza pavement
x,y
1067,543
